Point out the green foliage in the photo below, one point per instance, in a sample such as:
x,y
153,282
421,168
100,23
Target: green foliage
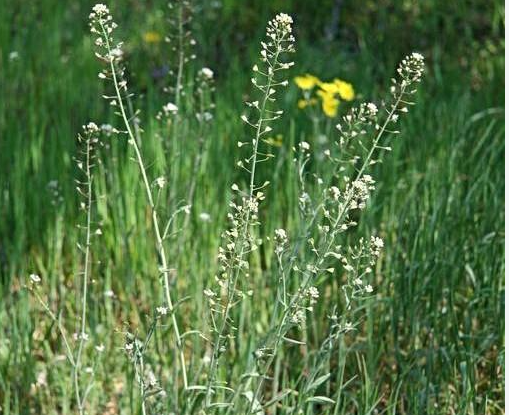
x,y
431,340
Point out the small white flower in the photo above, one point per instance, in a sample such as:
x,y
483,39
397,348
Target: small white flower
x,y
170,107
298,317
335,192
313,292
209,293
369,288
160,182
281,234
204,217
100,348
417,56
377,242
162,311
13,55
207,73
109,293
100,9
304,145
91,127
35,278
372,108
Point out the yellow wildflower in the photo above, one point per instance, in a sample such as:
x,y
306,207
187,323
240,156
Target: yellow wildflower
x,y
306,81
329,87
303,103
330,103
345,90
151,37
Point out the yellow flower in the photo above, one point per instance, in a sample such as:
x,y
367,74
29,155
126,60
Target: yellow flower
x,y
330,104
303,103
330,107
344,89
151,37
329,87
306,81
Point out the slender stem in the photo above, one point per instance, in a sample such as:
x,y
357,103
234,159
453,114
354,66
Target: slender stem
x,y
85,274
232,282
180,68
155,222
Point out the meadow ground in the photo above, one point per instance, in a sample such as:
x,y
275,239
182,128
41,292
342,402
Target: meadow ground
x,y
429,339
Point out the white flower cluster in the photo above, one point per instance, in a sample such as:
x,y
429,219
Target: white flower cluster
x,y
102,24
280,235
204,91
280,26
170,108
313,295
377,245
360,190
411,68
298,316
35,279
99,10
356,123
281,239
238,244
207,73
91,128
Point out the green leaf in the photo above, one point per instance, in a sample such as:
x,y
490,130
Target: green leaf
x,y
318,382
320,399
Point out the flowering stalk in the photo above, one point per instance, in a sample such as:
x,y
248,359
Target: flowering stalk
x,y
86,192
102,24
84,188
240,241
335,206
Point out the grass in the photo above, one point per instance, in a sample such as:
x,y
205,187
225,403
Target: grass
x,y
431,341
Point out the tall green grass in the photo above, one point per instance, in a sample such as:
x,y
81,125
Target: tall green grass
x,y
431,340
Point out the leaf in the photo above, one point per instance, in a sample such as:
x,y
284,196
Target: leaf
x,y
197,388
277,398
293,341
318,382
320,399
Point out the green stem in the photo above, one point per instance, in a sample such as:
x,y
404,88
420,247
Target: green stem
x,y
155,221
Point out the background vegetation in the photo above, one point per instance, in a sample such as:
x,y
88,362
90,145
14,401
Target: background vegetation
x,y
432,338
